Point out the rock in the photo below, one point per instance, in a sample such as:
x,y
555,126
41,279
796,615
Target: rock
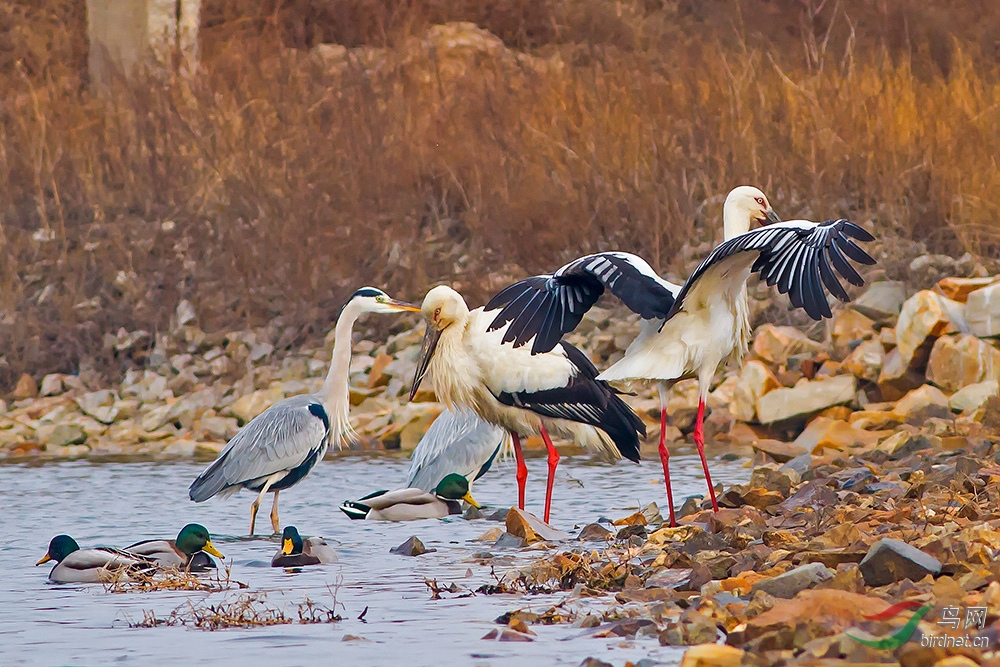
x,y
983,311
832,610
532,529
770,479
250,405
100,405
776,344
958,361
722,395
882,301
52,385
797,467
865,361
755,380
848,326
508,541
712,655
823,432
789,584
919,399
594,532
874,420
805,397
682,404
972,396
507,635
594,662
25,388
958,289
779,451
66,434
260,351
377,376
682,579
889,560
411,547
184,314
926,315
491,535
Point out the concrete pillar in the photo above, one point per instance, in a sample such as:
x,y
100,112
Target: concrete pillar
x,y
124,34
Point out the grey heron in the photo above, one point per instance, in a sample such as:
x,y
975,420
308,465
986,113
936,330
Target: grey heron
x,y
458,441
279,447
555,391
688,330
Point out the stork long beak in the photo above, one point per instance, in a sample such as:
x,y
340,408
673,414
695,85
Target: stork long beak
x,y
402,305
772,217
45,559
210,549
427,348
469,499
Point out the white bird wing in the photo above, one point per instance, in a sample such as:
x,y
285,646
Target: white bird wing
x,y
798,256
102,557
279,439
399,497
458,441
548,306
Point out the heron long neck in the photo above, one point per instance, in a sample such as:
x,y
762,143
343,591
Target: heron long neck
x,y
335,393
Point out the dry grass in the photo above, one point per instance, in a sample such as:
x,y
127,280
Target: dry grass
x,y
173,579
270,183
248,610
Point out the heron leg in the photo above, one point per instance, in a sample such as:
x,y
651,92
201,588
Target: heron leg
x,y
522,470
699,440
274,514
256,504
553,462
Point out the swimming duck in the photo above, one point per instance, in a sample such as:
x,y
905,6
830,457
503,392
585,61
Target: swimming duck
x,y
296,552
89,566
410,504
190,551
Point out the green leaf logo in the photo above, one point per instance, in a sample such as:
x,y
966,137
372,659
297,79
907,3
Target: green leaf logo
x,y
899,637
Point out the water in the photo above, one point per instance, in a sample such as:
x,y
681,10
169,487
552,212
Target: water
x,y
120,503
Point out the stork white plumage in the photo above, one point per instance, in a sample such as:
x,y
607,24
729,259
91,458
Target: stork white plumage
x,y
279,447
556,391
688,330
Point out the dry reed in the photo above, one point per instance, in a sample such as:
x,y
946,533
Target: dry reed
x,y
273,182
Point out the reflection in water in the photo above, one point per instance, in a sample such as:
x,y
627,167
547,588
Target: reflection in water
x,y
121,503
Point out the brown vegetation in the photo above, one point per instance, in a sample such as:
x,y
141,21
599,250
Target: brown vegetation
x,y
274,181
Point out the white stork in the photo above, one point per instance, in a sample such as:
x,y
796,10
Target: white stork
x,y
556,391
279,447
689,330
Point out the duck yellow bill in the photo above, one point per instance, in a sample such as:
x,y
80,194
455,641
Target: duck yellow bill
x,y
45,559
287,547
402,305
469,499
209,549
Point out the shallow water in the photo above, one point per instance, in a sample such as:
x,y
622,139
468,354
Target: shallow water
x,y
120,503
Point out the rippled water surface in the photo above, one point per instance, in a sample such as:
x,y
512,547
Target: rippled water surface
x,y
120,503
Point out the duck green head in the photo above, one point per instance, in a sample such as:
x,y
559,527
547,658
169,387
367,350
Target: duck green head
x,y
193,538
291,541
60,547
455,487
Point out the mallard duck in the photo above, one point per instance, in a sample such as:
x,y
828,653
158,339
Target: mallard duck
x,y
190,551
89,566
296,552
410,504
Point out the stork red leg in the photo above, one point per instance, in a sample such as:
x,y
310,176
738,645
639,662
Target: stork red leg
x,y
553,462
522,470
665,460
699,440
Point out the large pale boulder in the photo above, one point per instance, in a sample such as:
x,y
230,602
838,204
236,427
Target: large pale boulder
x,y
959,289
926,315
848,326
755,380
882,301
865,361
920,399
958,361
805,397
776,344
972,396
983,311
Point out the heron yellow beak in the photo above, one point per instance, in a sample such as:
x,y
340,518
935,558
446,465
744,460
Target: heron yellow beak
x,y
45,559
402,305
469,499
427,348
287,547
210,549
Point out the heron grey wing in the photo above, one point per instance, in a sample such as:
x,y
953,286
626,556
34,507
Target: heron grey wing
x,y
280,438
458,441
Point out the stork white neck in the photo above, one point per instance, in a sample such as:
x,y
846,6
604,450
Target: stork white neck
x,y
735,219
